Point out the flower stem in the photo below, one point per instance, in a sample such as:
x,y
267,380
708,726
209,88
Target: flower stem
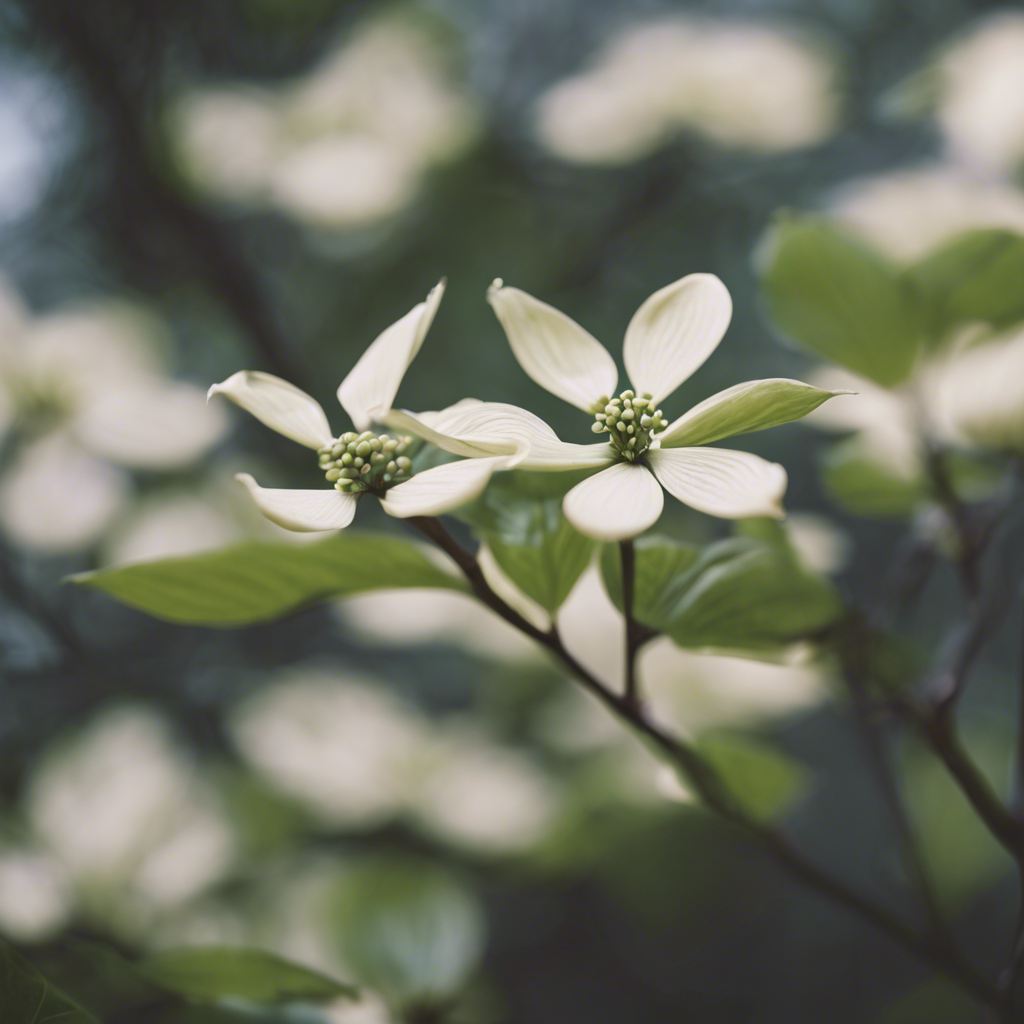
x,y
716,796
633,639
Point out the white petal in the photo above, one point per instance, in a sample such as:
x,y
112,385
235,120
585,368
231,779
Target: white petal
x,y
281,406
56,497
615,504
721,482
154,424
674,331
442,488
553,349
303,511
472,427
369,390
468,447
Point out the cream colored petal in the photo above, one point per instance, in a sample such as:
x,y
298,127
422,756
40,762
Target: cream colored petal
x,y
553,349
471,427
439,490
674,331
154,424
281,406
56,497
721,482
593,631
743,408
467,447
369,390
619,502
302,511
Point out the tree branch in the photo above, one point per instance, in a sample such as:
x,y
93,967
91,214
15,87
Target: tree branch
x,y
715,795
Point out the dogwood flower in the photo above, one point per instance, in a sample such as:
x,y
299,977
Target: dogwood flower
x,y
358,463
669,337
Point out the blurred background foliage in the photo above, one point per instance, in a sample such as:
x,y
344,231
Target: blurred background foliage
x,y
395,790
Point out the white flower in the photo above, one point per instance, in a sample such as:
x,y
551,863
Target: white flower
x,y
356,464
82,394
341,148
743,85
981,95
126,814
669,337
908,213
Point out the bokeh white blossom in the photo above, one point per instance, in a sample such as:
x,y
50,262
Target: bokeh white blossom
x,y
84,399
737,84
907,213
122,829
977,87
358,756
342,147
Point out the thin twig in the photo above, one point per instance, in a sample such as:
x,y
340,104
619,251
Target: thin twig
x,y
852,650
716,796
969,547
633,640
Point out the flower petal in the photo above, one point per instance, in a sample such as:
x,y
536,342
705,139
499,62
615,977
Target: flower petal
x,y
281,406
55,497
151,423
468,447
674,331
303,511
553,349
442,488
370,387
754,405
615,504
471,426
721,482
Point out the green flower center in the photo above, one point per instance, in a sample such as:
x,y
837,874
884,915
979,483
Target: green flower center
x,y
630,421
365,462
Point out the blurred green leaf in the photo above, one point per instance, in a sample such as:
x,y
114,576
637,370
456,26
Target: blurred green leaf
x,y
258,581
866,487
935,1002
833,296
506,508
977,276
961,855
738,594
27,997
762,778
212,974
409,929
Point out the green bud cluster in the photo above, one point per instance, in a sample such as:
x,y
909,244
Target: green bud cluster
x,y
361,462
630,421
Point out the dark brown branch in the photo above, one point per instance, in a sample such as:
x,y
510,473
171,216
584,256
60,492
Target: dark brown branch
x,y
716,796
633,637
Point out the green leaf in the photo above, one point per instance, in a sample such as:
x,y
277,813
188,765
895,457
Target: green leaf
x,y
520,519
27,997
735,595
210,975
661,576
762,778
977,276
962,857
409,929
259,581
754,405
936,1002
867,487
833,296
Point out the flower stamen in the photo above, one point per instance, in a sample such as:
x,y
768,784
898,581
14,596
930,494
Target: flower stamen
x,y
365,462
630,421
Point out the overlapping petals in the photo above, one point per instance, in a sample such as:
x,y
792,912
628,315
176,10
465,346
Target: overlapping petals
x,y
667,340
367,393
